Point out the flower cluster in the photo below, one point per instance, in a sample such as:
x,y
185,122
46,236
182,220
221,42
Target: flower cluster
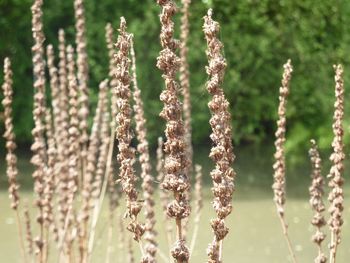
x,y
221,153
126,155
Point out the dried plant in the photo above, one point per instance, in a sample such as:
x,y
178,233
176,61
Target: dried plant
x,y
336,196
198,188
9,136
69,231
62,129
279,185
185,77
73,131
82,76
62,126
28,227
122,239
103,149
11,158
126,153
113,105
49,178
38,146
100,181
185,88
150,246
112,73
114,193
110,48
164,196
176,163
55,90
53,135
68,156
91,186
130,251
222,153
316,202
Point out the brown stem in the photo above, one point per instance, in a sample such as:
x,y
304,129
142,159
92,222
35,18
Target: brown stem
x,y
286,236
21,238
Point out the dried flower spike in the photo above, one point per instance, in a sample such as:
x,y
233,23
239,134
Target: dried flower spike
x,y
316,202
147,179
279,185
185,78
11,159
279,165
73,131
176,163
62,129
223,174
82,76
336,196
126,155
9,136
112,68
28,226
164,196
49,179
38,146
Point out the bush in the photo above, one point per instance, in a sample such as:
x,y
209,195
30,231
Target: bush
x,y
259,36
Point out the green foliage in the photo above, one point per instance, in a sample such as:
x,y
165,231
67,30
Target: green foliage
x,y
259,36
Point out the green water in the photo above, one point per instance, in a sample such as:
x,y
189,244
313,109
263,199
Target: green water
x,y
255,233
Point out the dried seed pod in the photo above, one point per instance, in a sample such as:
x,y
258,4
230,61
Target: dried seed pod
x,y
28,227
73,133
222,153
144,158
63,127
185,77
176,163
38,147
49,179
9,136
336,195
316,202
82,75
164,195
279,167
126,155
114,193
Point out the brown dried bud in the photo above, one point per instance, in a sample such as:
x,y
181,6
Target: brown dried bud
x,y
222,152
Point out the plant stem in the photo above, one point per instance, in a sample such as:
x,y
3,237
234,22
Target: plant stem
x,y
103,192
333,247
21,239
286,236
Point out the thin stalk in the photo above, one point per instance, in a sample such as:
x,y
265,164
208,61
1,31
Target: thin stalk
x,y
103,192
287,238
21,238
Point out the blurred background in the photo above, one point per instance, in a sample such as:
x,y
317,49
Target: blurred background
x,y
259,36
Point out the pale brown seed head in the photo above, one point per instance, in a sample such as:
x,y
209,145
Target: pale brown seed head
x,y
176,163
279,165
144,159
336,195
185,78
82,74
316,200
126,155
222,152
9,136
28,228
39,108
